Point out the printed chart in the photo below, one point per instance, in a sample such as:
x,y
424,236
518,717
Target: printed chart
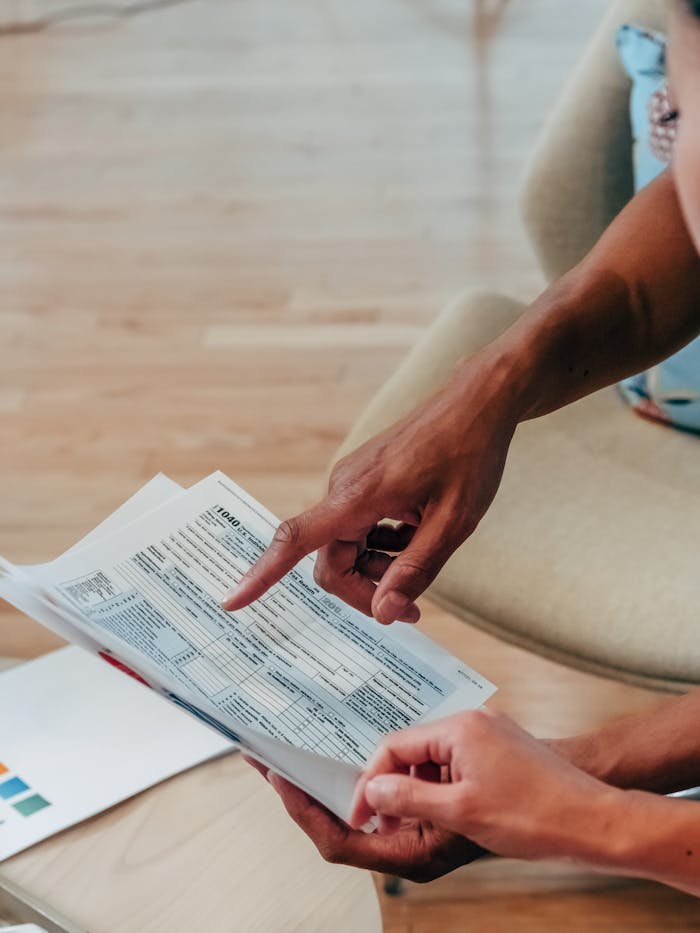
x,y
83,737
17,796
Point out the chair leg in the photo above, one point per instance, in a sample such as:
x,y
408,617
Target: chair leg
x,y
393,885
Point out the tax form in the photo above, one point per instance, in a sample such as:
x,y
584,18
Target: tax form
x,y
303,681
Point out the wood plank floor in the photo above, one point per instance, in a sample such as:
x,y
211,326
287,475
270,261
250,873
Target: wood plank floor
x,y
221,226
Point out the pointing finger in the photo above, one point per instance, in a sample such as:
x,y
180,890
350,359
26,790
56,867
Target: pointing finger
x,y
294,538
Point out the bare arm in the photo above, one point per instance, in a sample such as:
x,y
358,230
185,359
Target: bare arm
x,y
539,806
657,751
588,803
632,301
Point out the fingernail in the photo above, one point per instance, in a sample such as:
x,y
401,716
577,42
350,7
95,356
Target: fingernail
x,y
229,599
380,790
392,606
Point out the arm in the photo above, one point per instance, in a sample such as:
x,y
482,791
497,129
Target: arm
x,y
540,806
657,751
629,303
570,804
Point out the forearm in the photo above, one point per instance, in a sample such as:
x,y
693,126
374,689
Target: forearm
x,y
637,834
630,303
657,751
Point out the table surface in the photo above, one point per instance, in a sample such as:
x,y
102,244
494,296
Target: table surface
x,y
211,849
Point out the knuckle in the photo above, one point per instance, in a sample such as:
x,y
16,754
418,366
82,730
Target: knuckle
x,y
329,852
473,721
468,726
344,480
403,794
481,719
339,471
289,533
347,495
416,573
349,484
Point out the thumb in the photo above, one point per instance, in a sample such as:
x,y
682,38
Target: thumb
x,y
409,797
412,571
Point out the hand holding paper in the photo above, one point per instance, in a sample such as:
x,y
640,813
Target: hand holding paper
x,y
305,683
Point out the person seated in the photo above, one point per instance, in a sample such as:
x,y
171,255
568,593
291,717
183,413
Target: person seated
x,y
441,789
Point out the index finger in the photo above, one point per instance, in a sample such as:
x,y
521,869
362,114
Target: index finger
x,y
294,538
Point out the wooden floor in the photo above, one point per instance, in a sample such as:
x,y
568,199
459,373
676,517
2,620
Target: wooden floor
x,y
221,226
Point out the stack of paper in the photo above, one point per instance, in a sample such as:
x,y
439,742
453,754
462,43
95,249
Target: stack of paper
x,y
305,683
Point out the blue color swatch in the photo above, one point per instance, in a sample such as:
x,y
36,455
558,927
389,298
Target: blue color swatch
x,y
12,787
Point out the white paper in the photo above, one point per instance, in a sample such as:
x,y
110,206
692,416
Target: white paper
x,y
156,492
299,677
82,737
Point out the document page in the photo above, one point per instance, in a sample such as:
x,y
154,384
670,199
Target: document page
x,y
64,759
155,493
299,665
16,584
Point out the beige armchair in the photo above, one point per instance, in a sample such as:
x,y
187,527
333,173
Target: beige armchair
x,y
589,552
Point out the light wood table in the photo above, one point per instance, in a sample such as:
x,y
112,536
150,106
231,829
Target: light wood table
x,y
210,850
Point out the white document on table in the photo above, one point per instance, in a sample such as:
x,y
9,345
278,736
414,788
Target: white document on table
x,y
304,682
78,737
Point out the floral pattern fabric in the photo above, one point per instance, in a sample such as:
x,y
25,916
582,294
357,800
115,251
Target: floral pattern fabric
x,y
669,392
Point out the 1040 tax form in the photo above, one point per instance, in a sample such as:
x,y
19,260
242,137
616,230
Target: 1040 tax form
x,y
303,682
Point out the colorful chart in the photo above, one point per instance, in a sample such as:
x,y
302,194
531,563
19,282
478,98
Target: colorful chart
x,y
13,786
31,804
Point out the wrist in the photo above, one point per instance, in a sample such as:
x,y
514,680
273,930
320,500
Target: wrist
x,y
522,367
655,750
597,832
502,377
552,354
589,752
639,834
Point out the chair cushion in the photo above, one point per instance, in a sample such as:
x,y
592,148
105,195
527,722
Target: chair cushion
x,y
588,552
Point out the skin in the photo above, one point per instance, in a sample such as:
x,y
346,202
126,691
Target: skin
x,y
684,79
630,303
564,813
592,798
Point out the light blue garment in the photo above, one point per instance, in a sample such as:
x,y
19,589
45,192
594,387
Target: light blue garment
x,y
643,55
669,392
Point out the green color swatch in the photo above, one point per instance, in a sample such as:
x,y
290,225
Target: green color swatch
x,y
31,804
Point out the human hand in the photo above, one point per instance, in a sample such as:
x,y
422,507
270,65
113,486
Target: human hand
x,y
507,791
417,851
435,473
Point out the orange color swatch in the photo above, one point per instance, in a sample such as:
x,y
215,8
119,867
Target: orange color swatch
x,y
3,768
